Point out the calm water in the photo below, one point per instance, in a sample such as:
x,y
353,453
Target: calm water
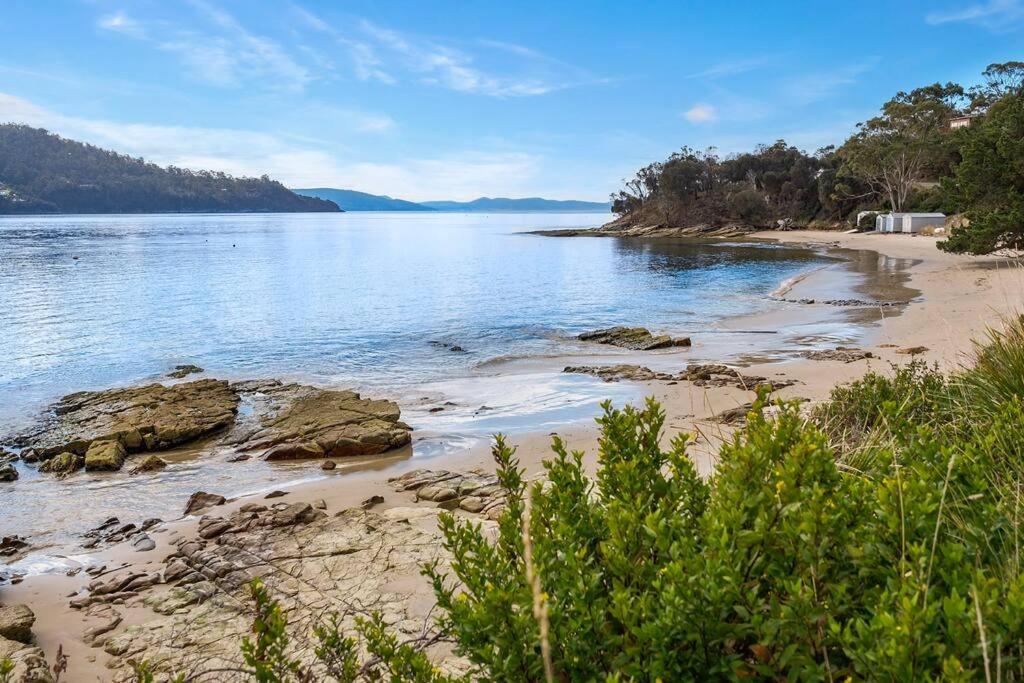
x,y
341,300
354,299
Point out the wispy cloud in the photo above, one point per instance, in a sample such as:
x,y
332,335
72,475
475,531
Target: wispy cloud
x,y
226,54
819,85
700,113
120,22
995,15
380,53
732,68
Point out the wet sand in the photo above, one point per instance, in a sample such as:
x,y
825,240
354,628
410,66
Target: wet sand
x,y
951,301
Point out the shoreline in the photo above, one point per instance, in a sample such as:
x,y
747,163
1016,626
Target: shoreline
x,y
947,312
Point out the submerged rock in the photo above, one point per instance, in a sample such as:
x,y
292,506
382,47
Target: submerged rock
x,y
147,418
634,338
180,371
613,373
150,463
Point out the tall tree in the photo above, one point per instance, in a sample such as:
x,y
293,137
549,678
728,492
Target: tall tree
x,y
904,145
990,178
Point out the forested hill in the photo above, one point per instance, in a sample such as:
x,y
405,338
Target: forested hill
x,y
44,173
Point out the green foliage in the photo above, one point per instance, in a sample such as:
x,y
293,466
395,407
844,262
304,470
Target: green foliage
x,y
6,667
990,178
44,173
881,539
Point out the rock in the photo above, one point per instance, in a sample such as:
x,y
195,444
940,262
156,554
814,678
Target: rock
x,y
150,523
275,494
16,622
241,457
211,527
320,504
295,513
734,416
201,500
294,451
146,418
454,348
634,338
371,502
252,507
105,456
844,354
150,463
328,465
613,373
306,422
912,350
180,371
9,545
141,542
29,662
62,463
93,633
7,472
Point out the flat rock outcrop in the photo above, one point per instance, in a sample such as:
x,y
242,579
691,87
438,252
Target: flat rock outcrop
x,y
16,622
614,373
475,491
701,375
299,422
196,607
633,338
844,354
147,418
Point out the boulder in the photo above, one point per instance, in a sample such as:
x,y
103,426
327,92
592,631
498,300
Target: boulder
x,y
844,354
150,463
7,472
306,422
146,418
201,500
16,622
633,338
62,463
105,456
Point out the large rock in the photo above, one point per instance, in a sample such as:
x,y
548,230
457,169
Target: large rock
x,y
7,472
200,500
306,422
634,338
146,418
62,463
16,622
29,662
150,463
105,456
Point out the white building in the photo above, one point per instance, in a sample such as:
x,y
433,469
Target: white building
x,y
910,223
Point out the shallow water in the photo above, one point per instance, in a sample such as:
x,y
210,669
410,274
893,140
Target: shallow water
x,y
354,300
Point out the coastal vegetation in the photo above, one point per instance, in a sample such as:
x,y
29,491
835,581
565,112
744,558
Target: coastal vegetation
x,y
874,536
44,173
909,157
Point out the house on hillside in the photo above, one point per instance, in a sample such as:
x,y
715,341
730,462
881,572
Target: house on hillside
x,y
908,223
960,121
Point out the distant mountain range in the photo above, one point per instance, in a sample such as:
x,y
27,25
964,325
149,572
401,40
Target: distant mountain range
x,y
44,173
350,200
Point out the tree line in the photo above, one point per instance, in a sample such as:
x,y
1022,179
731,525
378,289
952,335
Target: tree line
x,y
44,173
907,158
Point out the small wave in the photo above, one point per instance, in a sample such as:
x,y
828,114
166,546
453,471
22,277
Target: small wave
x,y
787,285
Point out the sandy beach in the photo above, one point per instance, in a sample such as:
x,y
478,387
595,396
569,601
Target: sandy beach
x,y
952,301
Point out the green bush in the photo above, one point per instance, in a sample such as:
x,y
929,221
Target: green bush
x,y
788,563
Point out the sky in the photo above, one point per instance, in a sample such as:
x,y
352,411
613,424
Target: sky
x,y
450,99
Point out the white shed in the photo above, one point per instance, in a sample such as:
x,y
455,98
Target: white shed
x,y
910,223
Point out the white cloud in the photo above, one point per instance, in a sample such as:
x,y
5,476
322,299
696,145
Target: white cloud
x,y
700,113
297,163
731,68
995,15
120,22
820,85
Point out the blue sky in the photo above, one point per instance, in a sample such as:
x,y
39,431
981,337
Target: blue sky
x,y
454,100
